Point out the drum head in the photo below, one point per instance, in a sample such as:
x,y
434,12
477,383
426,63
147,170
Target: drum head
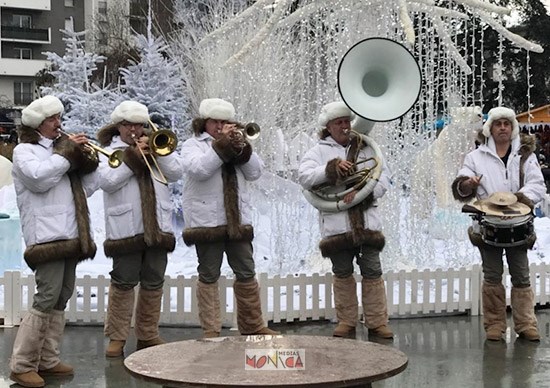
x,y
507,221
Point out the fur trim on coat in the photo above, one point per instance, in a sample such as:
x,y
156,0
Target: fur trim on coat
x,y
82,161
456,194
153,236
358,235
229,154
333,244
204,235
81,248
527,147
234,230
331,171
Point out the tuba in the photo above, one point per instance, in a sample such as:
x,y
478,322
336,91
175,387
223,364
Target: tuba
x,y
379,80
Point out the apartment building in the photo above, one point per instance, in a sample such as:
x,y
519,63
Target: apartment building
x,y
31,27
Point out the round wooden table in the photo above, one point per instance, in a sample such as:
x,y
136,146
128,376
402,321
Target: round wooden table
x,y
267,361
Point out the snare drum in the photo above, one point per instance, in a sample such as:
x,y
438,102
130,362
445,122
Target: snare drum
x,y
508,232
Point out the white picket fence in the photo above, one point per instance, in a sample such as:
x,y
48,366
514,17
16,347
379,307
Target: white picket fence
x,y
290,298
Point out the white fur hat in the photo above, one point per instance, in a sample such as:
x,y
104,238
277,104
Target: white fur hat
x,y
41,109
130,111
332,111
217,109
497,113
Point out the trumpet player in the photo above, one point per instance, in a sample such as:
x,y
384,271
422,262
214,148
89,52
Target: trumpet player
x,y
138,226
53,174
353,233
218,162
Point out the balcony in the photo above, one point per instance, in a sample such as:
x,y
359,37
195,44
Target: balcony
x,y
41,5
21,67
29,35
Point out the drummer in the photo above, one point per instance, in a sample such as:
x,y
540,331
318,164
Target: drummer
x,y
503,163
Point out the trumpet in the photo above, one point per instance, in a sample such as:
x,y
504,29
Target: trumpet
x,y
250,131
161,142
115,158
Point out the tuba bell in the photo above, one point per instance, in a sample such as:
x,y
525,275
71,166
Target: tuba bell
x,y
379,80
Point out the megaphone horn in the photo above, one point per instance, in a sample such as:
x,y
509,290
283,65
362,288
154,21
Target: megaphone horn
x,y
379,79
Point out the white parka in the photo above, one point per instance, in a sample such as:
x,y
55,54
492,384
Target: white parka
x,y
44,195
122,199
203,191
312,173
500,178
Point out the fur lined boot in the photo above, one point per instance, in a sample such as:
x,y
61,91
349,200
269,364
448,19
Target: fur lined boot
x,y
346,304
208,297
375,307
249,309
523,313
493,297
119,318
27,349
50,364
147,318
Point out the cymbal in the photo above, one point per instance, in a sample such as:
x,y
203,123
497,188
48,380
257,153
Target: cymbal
x,y
490,209
500,198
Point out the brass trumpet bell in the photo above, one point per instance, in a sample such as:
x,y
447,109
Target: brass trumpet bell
x,y
251,130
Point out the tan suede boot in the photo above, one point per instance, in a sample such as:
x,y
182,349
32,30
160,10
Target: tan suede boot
x,y
523,313
27,349
119,317
375,307
28,379
346,304
147,318
50,364
249,310
493,297
208,298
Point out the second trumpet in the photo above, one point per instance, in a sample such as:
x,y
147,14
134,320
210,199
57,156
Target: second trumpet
x,y
115,158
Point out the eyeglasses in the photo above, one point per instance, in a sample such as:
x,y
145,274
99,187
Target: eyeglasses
x,y
130,125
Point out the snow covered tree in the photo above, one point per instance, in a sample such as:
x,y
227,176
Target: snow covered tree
x,y
87,107
156,81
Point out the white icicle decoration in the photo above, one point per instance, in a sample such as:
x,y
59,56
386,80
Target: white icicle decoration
x,y
515,39
453,52
262,34
240,18
406,22
481,5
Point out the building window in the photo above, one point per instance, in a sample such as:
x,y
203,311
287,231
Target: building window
x,y
22,53
22,93
102,7
23,21
69,3
69,24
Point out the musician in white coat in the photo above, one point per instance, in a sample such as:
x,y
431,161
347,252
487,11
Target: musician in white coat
x,y
138,227
52,175
504,162
218,163
350,234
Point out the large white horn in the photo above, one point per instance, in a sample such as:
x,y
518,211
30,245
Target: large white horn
x,y
379,79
